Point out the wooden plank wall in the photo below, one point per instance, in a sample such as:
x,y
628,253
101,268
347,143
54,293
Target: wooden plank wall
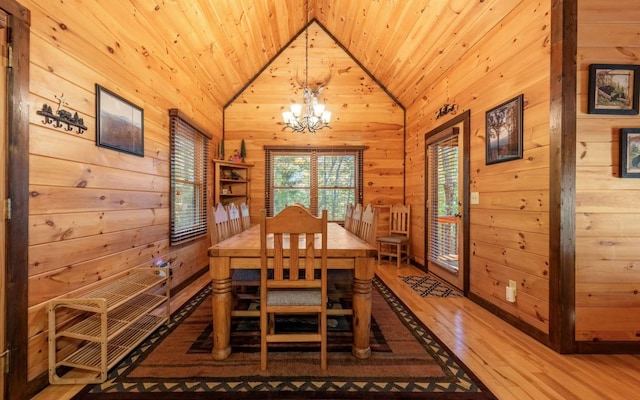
x,y
509,229
362,114
607,217
94,212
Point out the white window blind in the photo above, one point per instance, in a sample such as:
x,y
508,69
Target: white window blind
x,y
443,202
189,171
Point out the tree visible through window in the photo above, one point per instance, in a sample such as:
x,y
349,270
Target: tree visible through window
x,y
320,179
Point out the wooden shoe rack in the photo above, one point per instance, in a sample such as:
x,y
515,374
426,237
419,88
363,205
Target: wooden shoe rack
x,y
104,325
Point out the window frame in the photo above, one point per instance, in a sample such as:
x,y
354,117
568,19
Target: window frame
x,y
314,153
181,127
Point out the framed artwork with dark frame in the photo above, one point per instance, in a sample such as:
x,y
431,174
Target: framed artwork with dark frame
x,y
504,131
630,153
119,123
613,89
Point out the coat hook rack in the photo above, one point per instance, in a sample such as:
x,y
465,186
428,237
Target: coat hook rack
x,y
62,117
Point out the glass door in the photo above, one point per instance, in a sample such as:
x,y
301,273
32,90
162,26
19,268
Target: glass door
x,y
444,206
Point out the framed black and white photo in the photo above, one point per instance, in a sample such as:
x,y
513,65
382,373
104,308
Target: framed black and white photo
x,y
613,89
119,123
630,153
504,131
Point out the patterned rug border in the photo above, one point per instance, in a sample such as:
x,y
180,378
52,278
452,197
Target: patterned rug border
x,y
462,383
430,286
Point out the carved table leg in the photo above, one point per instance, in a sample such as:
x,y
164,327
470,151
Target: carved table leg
x,y
363,274
222,298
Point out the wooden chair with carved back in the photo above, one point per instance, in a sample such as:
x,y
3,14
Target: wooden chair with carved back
x,y
369,224
396,243
220,229
244,214
293,245
235,221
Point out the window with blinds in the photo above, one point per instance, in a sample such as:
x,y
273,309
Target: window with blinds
x,y
443,202
320,179
189,170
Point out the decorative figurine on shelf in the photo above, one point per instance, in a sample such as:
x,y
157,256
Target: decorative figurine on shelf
x,y
235,157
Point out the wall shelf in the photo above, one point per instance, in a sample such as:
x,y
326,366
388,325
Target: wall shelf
x,y
231,182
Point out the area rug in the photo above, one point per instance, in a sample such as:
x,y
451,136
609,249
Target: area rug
x,y
407,362
428,286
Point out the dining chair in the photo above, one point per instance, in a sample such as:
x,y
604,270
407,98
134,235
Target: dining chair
x,y
293,244
245,282
235,222
348,217
220,229
356,219
369,224
246,219
396,243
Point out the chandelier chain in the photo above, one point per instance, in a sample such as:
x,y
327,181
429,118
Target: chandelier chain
x,y
315,117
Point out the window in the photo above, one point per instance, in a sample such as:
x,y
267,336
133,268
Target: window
x,y
320,179
189,162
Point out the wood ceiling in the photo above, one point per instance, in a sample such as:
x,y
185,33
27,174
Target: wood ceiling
x,y
405,44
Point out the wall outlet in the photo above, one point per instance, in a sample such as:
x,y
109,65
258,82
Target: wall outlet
x,y
475,198
511,291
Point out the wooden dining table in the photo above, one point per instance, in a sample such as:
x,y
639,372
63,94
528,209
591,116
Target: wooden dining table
x,y
345,251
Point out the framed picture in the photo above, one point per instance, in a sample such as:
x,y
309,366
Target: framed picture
x,y
613,89
119,123
630,153
504,131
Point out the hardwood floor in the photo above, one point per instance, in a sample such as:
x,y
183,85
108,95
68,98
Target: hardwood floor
x,y
510,363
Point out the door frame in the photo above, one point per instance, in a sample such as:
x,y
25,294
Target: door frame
x,y
463,119
17,228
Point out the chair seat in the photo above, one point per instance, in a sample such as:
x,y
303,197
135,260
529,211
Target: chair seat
x,y
396,239
340,275
246,275
307,297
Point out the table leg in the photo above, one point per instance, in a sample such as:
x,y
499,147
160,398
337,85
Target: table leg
x,y
363,274
222,301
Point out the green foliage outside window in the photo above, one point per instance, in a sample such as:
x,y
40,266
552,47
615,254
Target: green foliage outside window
x,y
329,177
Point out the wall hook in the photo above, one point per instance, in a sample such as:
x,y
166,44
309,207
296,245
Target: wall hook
x,y
62,117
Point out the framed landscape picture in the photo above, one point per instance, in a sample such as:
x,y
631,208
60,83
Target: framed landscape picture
x,y
504,131
119,123
613,89
630,153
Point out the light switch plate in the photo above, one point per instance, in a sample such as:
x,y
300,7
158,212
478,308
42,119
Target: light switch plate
x,y
475,198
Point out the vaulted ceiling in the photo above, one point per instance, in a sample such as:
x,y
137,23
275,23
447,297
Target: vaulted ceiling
x,y
405,44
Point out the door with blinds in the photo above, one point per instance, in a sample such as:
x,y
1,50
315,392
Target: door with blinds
x,y
444,206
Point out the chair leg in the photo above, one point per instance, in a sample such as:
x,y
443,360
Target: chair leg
x,y
323,342
398,255
406,252
263,341
379,250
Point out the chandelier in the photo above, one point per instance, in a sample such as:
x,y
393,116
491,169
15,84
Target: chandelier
x,y
310,116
